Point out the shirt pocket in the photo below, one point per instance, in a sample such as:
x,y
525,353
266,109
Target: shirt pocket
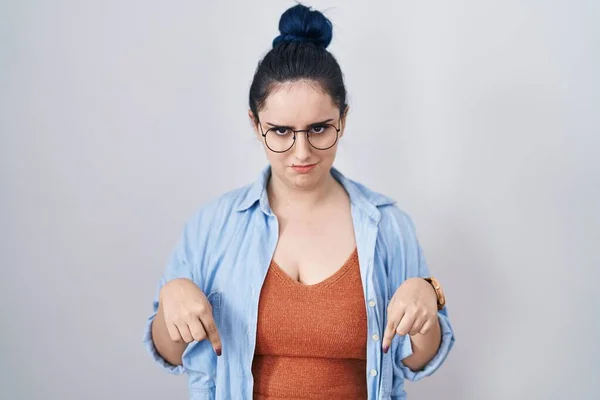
x,y
200,361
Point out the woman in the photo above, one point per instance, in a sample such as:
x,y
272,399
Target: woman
x,y
304,284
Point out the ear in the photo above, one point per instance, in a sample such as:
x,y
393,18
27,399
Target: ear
x,y
343,121
254,122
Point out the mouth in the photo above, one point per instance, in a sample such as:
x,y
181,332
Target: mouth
x,y
303,169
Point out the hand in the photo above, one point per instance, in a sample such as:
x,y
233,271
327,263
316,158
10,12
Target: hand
x,y
412,310
188,314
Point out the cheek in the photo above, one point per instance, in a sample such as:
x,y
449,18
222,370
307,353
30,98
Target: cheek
x,y
330,154
275,159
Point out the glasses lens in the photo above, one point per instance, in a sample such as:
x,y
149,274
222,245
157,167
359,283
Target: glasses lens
x,y
279,139
323,137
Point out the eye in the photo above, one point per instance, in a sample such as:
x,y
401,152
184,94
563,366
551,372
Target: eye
x,y
281,131
318,129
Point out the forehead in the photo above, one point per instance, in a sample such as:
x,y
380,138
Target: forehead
x,y
297,103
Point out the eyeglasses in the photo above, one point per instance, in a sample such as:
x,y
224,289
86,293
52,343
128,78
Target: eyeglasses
x,y
280,139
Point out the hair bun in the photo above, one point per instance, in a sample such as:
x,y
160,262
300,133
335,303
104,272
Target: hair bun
x,y
301,24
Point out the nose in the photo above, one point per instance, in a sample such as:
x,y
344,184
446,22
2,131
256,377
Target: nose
x,y
302,149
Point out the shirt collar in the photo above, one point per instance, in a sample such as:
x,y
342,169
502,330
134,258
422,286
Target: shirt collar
x,y
360,196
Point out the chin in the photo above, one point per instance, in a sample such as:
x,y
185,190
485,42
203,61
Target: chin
x,y
305,181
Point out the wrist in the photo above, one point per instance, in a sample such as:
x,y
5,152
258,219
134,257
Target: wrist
x,y
437,291
431,290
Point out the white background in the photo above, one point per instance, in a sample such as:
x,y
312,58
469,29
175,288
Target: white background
x,y
118,119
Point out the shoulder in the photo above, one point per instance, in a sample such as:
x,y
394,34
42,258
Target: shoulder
x,y
228,201
219,210
391,215
393,220
359,192
397,245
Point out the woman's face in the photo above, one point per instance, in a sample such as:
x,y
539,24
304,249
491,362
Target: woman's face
x,y
299,105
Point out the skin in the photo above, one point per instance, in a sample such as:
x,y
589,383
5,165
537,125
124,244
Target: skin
x,y
298,105
413,311
316,235
184,315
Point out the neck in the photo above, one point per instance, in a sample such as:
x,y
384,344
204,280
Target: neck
x,y
283,196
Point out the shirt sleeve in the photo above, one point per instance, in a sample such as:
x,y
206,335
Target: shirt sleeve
x,y
441,355
180,265
416,266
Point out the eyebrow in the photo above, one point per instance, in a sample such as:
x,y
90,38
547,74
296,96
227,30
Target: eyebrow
x,y
313,124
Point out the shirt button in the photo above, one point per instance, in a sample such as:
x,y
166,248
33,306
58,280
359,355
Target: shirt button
x,y
372,303
375,337
373,372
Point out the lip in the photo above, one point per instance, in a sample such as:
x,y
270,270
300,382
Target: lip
x,y
303,169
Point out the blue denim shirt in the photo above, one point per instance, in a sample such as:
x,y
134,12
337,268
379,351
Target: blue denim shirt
x,y
226,249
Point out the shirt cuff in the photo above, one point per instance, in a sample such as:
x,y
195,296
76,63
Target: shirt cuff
x,y
438,359
149,344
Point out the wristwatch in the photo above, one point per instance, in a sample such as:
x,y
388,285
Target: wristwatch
x,y
439,292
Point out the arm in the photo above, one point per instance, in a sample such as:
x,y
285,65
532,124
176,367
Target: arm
x,y
425,335
424,346
428,357
166,352
168,349
413,314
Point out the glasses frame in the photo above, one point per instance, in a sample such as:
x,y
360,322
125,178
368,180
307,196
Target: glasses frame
x,y
296,131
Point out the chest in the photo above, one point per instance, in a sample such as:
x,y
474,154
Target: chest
x,y
235,271
312,247
327,319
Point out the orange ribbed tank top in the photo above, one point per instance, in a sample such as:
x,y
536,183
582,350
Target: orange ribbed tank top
x,y
311,339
